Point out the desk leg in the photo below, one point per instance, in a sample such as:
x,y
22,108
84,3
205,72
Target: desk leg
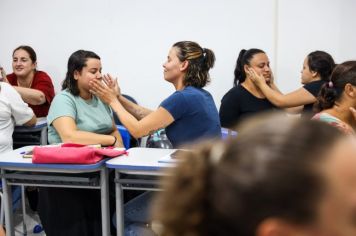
x,y
119,205
7,198
105,212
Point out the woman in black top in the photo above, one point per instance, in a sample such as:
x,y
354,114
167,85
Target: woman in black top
x,y
317,68
245,98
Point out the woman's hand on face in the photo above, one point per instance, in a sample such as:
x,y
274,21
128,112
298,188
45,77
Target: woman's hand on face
x,y
102,91
112,83
256,78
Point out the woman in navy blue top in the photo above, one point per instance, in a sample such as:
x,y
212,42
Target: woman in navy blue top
x,y
188,114
317,68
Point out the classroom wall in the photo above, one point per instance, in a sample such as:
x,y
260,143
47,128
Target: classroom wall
x,y
133,37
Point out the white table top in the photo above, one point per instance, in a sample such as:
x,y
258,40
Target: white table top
x,y
14,160
141,159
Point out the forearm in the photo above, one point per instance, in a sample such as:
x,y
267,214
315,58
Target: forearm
x,y
137,111
275,88
32,121
275,97
128,120
83,137
31,96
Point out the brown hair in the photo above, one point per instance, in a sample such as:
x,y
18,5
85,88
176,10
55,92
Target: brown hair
x,y
229,188
344,73
322,63
76,62
200,61
29,50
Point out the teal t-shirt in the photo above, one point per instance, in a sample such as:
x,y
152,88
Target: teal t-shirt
x,y
92,116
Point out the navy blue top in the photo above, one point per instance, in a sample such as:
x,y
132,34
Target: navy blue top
x,y
195,116
313,88
238,104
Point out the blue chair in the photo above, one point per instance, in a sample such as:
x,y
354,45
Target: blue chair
x,y
125,135
133,142
116,119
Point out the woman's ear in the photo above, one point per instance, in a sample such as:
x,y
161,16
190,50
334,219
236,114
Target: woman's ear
x,y
76,74
184,65
314,74
350,90
246,69
34,66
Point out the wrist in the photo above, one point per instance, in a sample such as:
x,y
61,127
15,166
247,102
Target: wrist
x,y
120,97
115,141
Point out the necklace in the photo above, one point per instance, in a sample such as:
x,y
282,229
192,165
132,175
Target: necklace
x,y
29,86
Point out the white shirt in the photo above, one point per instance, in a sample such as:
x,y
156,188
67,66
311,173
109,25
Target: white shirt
x,y
13,110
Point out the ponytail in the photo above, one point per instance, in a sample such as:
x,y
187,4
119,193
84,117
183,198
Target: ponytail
x,y
209,59
239,71
331,91
326,98
201,60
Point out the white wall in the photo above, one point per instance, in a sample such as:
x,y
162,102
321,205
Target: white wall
x,y
306,26
133,36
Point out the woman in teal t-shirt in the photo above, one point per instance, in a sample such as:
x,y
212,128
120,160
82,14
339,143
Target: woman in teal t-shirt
x,y
77,116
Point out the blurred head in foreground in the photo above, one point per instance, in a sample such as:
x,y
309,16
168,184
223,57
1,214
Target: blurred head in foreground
x,y
279,177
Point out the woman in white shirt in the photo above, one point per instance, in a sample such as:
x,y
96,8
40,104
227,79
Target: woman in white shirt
x,y
13,111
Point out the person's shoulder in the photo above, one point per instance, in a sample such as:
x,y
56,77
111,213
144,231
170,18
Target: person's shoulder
x,y
12,78
4,85
323,116
9,93
191,90
64,94
42,75
314,84
6,88
235,91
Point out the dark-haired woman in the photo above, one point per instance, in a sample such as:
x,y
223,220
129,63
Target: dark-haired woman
x,y
34,86
293,178
317,68
245,98
188,114
337,100
77,116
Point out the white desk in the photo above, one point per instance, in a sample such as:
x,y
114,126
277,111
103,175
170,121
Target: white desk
x,y
50,175
139,162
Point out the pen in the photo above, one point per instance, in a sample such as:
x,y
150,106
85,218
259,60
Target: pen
x,y
22,153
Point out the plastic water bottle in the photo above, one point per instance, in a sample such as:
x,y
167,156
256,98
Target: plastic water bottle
x,y
159,139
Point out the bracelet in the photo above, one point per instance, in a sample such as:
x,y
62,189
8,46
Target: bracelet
x,y
114,142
